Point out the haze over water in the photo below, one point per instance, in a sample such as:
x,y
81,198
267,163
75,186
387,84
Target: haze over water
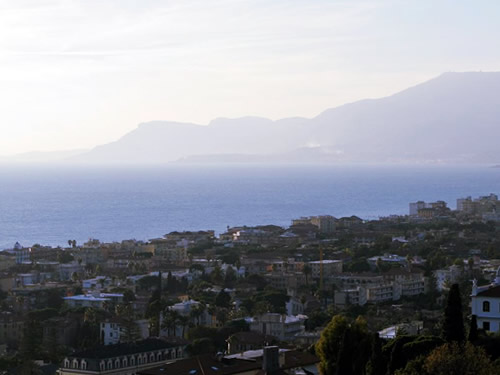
x,y
51,204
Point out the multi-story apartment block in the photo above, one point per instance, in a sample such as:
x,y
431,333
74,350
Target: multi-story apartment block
x,y
374,288
353,296
383,292
330,267
284,327
324,223
485,205
426,210
286,280
169,251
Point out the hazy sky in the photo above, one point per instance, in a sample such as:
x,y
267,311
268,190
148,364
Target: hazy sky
x,y
75,73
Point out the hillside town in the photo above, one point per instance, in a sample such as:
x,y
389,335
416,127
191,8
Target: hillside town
x,y
257,300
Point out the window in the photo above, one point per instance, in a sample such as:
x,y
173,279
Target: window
x,y
84,365
486,326
132,361
486,306
124,362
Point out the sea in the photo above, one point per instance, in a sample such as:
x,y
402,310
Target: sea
x,y
51,204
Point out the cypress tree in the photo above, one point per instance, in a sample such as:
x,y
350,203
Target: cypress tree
x,y
345,356
377,364
453,324
473,329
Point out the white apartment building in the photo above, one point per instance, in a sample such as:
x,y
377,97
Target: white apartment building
x,y
485,304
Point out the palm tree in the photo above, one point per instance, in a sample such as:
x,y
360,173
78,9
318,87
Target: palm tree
x,y
196,313
170,318
183,320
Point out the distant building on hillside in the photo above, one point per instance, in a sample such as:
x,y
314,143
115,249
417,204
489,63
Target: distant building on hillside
x,y
485,205
330,267
22,254
430,210
324,223
284,327
96,300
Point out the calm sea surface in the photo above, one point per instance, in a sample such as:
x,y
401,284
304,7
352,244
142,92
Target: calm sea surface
x,y
51,204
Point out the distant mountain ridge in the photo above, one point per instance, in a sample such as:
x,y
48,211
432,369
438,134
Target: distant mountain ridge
x,y
454,118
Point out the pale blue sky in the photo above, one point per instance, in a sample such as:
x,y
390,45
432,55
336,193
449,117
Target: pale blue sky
x,y
79,73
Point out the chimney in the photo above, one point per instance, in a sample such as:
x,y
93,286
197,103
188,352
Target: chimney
x,y
271,359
